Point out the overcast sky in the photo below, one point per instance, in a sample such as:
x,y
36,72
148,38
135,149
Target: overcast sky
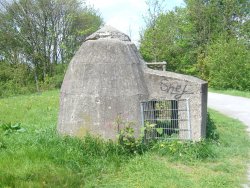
x,y
127,15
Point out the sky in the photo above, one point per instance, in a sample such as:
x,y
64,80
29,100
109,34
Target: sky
x,y
127,15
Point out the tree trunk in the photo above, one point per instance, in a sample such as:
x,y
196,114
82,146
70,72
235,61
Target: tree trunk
x,y
36,81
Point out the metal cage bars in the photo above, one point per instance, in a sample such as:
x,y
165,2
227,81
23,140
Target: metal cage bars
x,y
166,119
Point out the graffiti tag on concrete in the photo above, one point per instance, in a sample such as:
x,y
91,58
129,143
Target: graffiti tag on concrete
x,y
174,88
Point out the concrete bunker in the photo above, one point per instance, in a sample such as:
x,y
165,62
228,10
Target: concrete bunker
x,y
108,78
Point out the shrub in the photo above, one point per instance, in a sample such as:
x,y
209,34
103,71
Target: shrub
x,y
228,65
15,79
129,141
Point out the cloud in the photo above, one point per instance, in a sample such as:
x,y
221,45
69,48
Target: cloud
x,y
126,15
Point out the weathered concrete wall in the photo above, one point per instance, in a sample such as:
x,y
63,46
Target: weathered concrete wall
x,y
104,80
172,86
107,79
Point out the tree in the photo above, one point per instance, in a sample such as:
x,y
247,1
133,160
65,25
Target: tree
x,y
188,37
228,63
171,38
44,33
155,8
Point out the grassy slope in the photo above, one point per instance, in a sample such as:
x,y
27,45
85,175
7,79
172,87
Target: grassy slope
x,y
41,158
232,92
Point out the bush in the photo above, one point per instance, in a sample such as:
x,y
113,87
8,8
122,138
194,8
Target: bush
x,y
15,79
51,82
228,65
18,79
131,143
54,81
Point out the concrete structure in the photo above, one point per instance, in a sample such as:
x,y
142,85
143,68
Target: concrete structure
x,y
107,78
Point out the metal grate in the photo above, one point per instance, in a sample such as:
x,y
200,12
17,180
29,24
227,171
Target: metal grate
x,y
166,119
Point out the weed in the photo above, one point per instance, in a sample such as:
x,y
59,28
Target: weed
x,y
9,128
129,141
187,151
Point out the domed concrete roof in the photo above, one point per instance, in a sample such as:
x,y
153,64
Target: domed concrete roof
x,y
110,33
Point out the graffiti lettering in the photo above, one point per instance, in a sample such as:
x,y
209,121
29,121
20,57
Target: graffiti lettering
x,y
174,88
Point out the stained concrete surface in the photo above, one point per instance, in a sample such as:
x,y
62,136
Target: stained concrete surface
x,y
233,106
107,79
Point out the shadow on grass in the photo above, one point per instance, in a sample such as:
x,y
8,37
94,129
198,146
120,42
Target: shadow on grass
x,y
211,129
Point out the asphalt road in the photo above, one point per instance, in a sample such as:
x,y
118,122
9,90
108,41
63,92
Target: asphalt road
x,y
236,107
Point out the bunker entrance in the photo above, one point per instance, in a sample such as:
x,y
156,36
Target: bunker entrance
x,y
166,119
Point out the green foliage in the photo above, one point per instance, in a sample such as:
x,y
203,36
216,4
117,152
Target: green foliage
x,y
165,42
9,128
127,138
152,130
53,82
169,145
231,92
228,63
184,150
208,39
99,147
148,131
2,145
41,157
15,79
134,143
37,37
188,151
211,130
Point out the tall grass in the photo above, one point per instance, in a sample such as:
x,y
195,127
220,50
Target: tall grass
x,y
39,157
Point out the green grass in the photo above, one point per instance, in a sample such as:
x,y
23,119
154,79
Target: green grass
x,y
231,92
39,157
